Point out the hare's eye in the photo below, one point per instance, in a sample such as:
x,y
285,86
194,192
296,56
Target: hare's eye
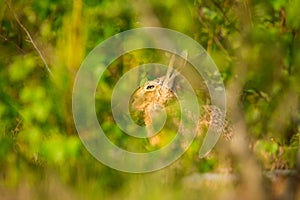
x,y
149,87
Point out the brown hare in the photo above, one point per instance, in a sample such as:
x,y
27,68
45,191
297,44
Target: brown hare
x,y
155,94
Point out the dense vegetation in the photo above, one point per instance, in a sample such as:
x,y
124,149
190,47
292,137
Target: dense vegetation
x,y
255,44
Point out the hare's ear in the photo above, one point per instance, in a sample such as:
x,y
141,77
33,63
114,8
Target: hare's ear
x,y
184,55
171,65
172,73
170,70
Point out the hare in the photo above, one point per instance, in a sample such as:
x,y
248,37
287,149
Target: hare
x,y
155,95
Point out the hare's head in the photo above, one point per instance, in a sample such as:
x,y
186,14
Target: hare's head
x,y
150,93
158,91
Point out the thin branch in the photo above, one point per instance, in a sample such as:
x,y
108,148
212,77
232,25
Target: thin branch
x,y
217,41
221,10
30,38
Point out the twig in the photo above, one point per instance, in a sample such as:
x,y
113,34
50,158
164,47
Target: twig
x,y
30,38
217,41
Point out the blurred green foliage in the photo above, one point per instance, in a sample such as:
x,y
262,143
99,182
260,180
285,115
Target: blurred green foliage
x,y
39,147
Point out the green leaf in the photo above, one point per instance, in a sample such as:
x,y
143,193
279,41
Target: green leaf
x,y
21,67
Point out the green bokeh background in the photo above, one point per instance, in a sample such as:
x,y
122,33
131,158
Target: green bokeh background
x,y
41,156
